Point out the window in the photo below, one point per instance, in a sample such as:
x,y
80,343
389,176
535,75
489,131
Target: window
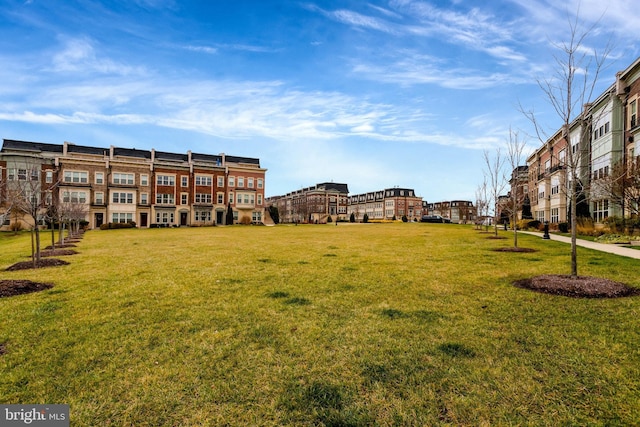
x,y
122,217
34,174
165,199
633,110
184,198
220,197
99,177
122,198
123,178
203,180
221,181
203,198
232,181
166,180
259,199
240,181
144,179
555,217
250,182
99,198
600,210
606,127
231,197
49,177
184,182
74,197
260,183
256,217
203,215
164,217
76,177
144,198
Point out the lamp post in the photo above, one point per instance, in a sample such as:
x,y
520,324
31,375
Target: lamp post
x,y
546,231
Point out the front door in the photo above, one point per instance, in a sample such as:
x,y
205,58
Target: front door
x,y
219,217
143,219
99,219
183,218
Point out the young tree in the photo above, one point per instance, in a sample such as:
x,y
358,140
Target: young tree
x,y
622,186
515,151
482,203
569,91
496,183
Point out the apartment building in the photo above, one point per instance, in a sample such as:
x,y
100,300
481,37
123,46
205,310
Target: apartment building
x,y
386,204
601,138
458,211
151,188
314,204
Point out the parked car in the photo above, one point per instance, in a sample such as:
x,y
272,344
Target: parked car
x,y
434,218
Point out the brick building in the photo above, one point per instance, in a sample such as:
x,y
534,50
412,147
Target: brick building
x,y
151,188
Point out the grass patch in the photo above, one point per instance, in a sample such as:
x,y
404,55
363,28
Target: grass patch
x,y
400,329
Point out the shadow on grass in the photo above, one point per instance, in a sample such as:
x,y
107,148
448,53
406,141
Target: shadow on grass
x,y
456,350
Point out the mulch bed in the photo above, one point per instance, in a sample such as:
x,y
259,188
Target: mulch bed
x,y
9,288
3,348
57,252
44,262
66,245
514,249
577,287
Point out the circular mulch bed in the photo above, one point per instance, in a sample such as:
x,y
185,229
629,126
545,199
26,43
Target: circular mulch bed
x,y
57,252
514,249
44,262
66,245
577,287
9,288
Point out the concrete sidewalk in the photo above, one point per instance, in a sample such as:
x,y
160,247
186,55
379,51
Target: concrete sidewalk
x,y
603,247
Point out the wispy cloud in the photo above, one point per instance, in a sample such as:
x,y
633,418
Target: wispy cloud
x,y
78,55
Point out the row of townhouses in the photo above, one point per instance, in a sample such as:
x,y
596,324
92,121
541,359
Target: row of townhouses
x,y
318,203
119,185
600,139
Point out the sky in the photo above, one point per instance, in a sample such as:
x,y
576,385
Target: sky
x,y
375,94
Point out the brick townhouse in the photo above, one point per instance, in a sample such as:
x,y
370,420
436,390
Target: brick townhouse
x,y
151,188
601,138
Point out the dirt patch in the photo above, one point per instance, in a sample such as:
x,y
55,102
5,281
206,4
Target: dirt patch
x,y
44,262
3,349
514,249
57,252
66,245
577,287
9,288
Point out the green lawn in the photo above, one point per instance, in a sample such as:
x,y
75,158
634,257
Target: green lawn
x,y
368,324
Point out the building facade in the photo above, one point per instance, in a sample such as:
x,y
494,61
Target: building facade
x,y
458,211
315,204
148,188
386,204
600,139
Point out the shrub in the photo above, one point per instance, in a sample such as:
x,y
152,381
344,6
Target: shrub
x,y
329,219
563,227
404,218
117,225
245,220
352,218
365,218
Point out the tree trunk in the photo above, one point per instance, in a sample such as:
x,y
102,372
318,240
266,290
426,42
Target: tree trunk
x,y
574,226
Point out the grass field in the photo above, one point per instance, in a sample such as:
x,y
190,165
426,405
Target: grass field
x,y
351,325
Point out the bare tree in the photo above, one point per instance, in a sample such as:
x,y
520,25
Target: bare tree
x,y
30,199
482,203
570,91
515,151
495,174
622,186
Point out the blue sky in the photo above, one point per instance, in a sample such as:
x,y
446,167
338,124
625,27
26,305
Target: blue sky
x,y
373,94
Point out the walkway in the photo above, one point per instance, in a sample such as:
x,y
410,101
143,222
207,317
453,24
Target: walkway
x,y
603,247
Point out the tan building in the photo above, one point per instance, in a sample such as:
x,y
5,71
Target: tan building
x,y
149,188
